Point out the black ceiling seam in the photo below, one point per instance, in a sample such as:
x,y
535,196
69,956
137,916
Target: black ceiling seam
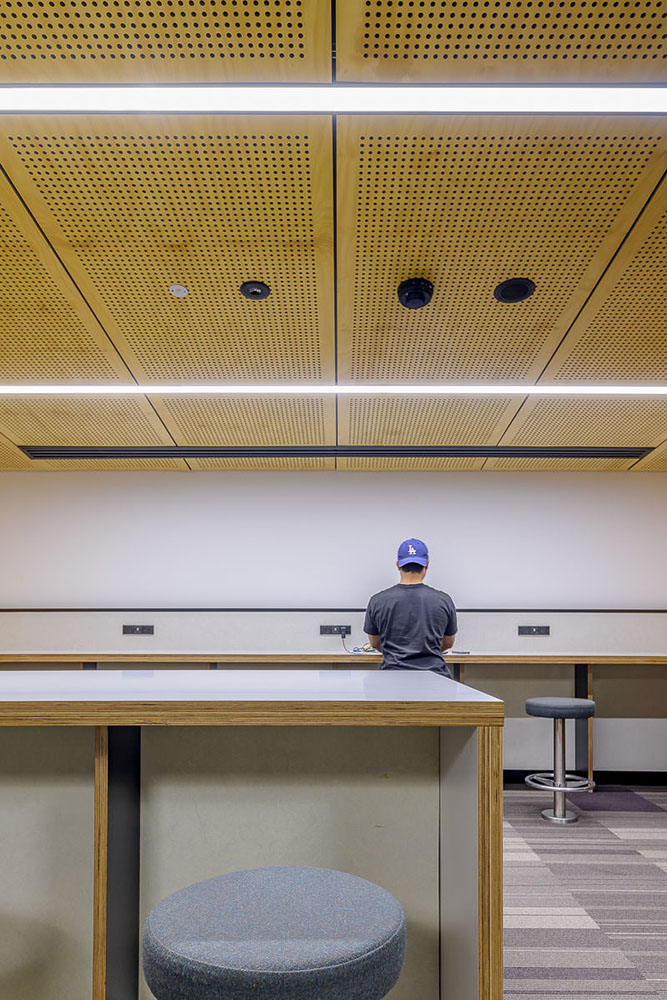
x,y
54,452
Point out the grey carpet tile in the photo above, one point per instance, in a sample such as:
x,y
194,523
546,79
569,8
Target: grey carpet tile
x,y
551,937
586,905
558,974
613,800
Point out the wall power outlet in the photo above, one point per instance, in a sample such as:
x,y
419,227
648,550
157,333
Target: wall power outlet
x,y
335,629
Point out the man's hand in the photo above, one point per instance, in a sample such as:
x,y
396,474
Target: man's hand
x,y
375,642
447,642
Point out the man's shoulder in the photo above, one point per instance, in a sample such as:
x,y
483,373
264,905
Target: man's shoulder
x,y
382,595
440,595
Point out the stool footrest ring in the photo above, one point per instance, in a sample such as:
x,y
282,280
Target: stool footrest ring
x,y
547,782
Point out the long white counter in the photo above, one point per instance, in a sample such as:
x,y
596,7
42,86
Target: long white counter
x,y
395,776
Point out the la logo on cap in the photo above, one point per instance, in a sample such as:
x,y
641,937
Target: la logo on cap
x,y
412,551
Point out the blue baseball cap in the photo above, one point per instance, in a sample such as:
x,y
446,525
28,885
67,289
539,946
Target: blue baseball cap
x,y
412,551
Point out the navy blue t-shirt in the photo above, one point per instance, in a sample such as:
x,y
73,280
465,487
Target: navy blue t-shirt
x,y
411,620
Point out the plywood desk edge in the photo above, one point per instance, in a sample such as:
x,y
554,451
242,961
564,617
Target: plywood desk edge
x,y
250,713
326,658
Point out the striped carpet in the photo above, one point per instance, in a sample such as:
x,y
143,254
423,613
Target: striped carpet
x,y
586,905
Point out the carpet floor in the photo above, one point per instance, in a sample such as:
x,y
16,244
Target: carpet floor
x,y
586,904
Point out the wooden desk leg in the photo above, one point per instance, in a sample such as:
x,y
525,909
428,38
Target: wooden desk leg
x,y
100,864
471,876
490,812
458,671
590,728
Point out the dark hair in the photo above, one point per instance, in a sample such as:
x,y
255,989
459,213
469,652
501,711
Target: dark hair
x,y
412,568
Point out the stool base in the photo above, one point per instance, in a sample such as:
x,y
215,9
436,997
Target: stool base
x,y
550,816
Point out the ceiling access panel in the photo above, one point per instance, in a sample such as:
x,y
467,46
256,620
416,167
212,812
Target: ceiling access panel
x,y
250,421
501,41
113,465
468,202
81,420
558,464
620,335
263,464
420,420
11,458
389,464
655,462
47,331
597,421
165,41
136,204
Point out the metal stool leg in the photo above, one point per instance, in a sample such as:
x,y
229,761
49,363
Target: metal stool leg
x,y
559,813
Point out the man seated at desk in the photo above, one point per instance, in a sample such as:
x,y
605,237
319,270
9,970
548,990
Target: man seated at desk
x,y
411,624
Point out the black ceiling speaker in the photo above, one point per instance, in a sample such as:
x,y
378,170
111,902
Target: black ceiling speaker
x,y
415,293
514,290
255,290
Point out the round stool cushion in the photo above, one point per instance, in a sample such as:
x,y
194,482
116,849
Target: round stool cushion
x,y
284,933
561,708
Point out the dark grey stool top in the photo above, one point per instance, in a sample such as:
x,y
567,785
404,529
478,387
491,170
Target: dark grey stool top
x,y
561,708
287,933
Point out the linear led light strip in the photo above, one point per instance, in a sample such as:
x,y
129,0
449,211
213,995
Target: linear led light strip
x,y
335,99
333,390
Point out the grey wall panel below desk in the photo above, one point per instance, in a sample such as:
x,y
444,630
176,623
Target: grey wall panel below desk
x,y
46,863
80,632
361,800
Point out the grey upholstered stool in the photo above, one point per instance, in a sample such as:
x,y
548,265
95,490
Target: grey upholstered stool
x,y
275,934
559,709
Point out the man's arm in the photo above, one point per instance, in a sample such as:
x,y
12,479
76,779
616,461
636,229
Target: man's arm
x,y
370,627
452,626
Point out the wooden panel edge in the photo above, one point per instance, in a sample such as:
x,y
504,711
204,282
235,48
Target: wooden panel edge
x,y
320,658
268,713
100,863
490,834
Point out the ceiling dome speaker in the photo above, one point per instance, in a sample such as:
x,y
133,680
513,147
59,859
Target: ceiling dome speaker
x,y
514,290
415,293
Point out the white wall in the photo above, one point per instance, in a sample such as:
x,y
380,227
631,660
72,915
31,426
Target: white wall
x,y
568,540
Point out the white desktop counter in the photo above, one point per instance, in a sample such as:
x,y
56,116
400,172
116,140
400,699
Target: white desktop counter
x,y
394,776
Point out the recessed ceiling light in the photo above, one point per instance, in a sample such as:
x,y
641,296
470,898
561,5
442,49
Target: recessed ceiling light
x,y
178,291
336,99
415,293
514,290
255,290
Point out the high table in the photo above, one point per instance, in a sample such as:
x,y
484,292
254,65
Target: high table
x,y
583,665
119,703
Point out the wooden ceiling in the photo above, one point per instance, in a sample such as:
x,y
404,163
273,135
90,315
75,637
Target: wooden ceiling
x,y
100,215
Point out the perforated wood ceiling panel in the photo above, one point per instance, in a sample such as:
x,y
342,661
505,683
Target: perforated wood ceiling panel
x,y
251,421
113,465
559,464
408,464
137,205
425,420
467,203
655,462
108,41
263,464
11,457
47,333
505,40
639,422
80,420
621,334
